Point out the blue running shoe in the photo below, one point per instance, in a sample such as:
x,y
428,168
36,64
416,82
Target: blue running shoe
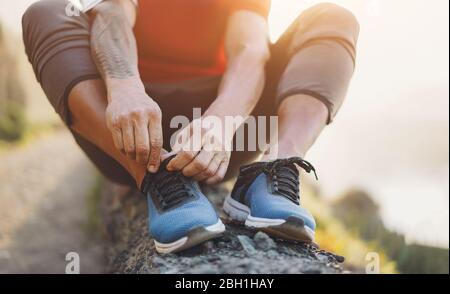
x,y
180,216
266,196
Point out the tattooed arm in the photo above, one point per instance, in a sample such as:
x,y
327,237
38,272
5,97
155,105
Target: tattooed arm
x,y
133,118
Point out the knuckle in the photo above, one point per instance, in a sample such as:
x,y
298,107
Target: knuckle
x,y
187,155
115,123
121,118
129,149
156,142
155,112
198,165
154,156
208,173
142,150
136,114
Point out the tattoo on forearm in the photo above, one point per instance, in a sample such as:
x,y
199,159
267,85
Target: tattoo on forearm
x,y
113,46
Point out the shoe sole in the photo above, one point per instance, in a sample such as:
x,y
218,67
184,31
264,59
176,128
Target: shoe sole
x,y
193,238
289,229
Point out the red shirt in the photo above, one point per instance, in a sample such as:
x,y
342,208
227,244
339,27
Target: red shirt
x,y
183,39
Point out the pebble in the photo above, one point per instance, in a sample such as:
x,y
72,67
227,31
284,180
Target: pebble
x,y
264,242
247,244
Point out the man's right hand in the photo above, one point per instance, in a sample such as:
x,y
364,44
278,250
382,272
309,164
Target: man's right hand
x,y
134,120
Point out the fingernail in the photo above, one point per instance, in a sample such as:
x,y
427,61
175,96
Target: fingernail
x,y
152,169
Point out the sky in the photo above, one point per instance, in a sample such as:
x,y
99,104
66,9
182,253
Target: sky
x,y
391,136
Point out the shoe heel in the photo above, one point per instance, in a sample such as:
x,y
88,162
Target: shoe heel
x,y
235,210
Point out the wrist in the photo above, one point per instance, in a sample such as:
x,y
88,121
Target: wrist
x,y
226,108
229,121
117,87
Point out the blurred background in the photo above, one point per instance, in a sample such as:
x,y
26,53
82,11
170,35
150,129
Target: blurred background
x,y
383,164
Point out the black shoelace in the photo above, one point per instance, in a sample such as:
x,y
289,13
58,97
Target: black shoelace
x,y
283,175
172,188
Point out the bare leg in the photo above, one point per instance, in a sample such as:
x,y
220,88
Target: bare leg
x,y
301,120
87,104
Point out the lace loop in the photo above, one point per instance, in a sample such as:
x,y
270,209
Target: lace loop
x,y
172,188
283,175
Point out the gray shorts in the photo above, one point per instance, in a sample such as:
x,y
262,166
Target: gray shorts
x,y
315,56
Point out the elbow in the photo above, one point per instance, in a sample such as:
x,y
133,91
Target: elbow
x,y
114,11
107,8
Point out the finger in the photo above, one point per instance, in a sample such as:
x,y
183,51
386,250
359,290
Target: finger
x,y
182,159
199,164
210,171
182,138
165,154
128,140
220,175
142,142
156,143
117,139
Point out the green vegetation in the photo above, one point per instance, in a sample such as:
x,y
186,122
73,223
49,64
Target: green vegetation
x,y
360,214
332,235
12,122
31,133
12,96
93,206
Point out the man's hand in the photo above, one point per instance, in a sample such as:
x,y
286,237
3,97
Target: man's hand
x,y
203,153
134,120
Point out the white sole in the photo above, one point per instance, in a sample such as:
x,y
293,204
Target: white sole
x,y
241,213
181,244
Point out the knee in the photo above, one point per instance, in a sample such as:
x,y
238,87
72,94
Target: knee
x,y
40,16
336,15
39,11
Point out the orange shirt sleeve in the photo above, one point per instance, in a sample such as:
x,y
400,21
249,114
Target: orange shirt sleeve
x,y
261,7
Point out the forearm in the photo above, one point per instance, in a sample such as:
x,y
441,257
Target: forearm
x,y
247,47
241,86
133,119
114,49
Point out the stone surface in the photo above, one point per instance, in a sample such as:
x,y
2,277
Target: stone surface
x,y
130,248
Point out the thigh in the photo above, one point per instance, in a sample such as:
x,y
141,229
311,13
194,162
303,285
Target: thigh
x,y
58,48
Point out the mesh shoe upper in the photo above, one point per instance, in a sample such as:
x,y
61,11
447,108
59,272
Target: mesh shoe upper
x,y
272,190
176,205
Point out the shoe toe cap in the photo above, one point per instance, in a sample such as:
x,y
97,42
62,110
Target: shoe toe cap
x,y
283,209
176,224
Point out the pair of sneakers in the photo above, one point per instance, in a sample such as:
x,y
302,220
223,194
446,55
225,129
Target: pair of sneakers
x,y
265,197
